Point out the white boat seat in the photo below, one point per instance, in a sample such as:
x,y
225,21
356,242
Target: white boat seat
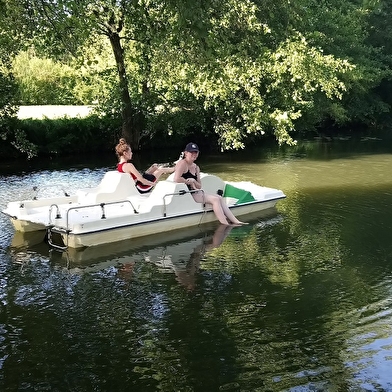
x,y
212,184
114,186
170,197
209,183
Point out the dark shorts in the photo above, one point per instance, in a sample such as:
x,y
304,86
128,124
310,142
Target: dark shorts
x,y
145,188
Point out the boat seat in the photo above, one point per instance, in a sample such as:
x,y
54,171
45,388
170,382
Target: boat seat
x,y
173,196
209,183
212,184
114,186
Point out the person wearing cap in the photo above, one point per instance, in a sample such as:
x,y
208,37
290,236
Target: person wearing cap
x,y
188,173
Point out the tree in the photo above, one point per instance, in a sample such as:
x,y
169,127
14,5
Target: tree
x,y
42,81
252,76
243,68
8,87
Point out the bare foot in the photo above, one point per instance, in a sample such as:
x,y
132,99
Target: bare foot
x,y
225,223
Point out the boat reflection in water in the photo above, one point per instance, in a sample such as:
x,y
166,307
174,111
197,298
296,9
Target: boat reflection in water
x,y
178,252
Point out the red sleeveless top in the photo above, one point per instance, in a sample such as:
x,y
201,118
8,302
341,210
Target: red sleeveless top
x,y
142,188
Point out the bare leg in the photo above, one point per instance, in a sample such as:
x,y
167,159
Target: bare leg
x,y
229,215
216,205
167,170
222,211
157,170
152,168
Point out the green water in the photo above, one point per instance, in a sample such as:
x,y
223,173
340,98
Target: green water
x,y
298,300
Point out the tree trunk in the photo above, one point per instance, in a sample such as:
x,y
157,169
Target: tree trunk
x,y
132,118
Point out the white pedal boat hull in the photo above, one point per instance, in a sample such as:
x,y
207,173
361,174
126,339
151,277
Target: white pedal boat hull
x,y
115,211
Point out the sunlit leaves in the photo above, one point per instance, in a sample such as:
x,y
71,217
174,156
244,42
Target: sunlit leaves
x,y
22,144
43,81
264,93
8,92
239,68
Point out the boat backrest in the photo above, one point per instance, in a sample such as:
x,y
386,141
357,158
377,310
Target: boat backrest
x,y
114,186
170,198
209,183
212,184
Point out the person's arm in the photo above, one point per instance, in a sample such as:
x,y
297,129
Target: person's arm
x,y
178,172
197,183
130,168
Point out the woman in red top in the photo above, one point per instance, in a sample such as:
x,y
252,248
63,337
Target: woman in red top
x,y
144,182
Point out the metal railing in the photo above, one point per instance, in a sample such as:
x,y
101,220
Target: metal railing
x,y
180,193
61,186
66,229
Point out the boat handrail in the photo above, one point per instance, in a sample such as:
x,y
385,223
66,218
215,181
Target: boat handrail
x,y
58,214
66,230
79,207
36,189
14,217
179,193
102,205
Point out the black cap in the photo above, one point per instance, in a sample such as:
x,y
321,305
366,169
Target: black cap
x,y
192,147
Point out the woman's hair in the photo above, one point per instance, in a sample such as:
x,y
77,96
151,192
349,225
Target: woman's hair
x,y
122,147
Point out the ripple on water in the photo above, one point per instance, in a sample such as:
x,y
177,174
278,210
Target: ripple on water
x,y
363,343
48,183
293,304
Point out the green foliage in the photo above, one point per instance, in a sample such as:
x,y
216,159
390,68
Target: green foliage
x,y
7,98
43,81
252,90
23,145
64,136
12,36
238,69
96,81
8,108
8,88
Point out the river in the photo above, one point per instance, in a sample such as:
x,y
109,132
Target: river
x,y
298,300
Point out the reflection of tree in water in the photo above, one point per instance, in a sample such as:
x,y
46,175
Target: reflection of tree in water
x,y
277,250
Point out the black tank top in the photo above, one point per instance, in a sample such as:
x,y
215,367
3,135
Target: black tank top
x,y
187,175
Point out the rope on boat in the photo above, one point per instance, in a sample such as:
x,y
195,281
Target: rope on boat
x,y
204,207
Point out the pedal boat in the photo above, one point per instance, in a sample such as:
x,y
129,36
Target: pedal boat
x,y
115,210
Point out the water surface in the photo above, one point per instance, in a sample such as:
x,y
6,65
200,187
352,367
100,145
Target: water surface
x,y
298,300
